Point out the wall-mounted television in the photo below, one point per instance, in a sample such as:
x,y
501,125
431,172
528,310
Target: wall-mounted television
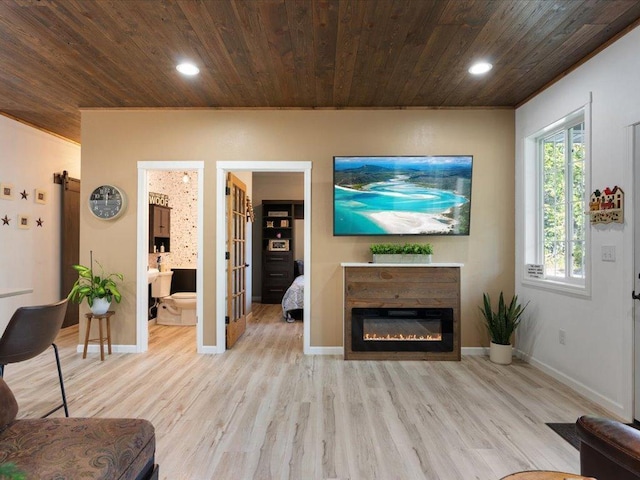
x,y
402,195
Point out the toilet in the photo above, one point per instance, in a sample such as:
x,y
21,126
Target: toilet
x,y
177,308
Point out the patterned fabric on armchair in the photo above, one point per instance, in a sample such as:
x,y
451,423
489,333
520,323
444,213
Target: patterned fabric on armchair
x,y
74,448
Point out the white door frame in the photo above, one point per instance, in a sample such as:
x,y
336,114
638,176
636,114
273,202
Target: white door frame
x,y
142,285
634,146
221,172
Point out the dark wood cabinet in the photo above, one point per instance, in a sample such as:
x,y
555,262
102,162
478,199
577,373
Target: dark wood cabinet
x,y
277,247
277,275
159,228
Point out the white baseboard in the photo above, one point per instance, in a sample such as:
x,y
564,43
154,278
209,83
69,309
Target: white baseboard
x,y
325,351
614,407
477,351
210,350
114,349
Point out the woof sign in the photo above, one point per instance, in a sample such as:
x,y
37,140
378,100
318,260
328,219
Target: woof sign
x,y
158,199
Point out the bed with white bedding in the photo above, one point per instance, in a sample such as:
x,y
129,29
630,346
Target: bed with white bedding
x,y
293,300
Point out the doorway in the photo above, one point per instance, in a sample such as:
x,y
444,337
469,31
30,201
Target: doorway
x,y
636,283
222,168
142,290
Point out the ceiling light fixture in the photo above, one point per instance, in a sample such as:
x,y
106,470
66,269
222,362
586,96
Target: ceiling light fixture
x,y
188,69
185,177
480,67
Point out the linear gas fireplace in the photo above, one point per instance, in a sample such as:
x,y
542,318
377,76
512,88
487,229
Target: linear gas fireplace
x,y
402,312
402,329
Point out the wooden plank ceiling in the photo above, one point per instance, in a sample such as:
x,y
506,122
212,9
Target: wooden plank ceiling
x,y
59,56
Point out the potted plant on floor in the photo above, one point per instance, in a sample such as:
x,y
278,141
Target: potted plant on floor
x,y
99,290
501,326
397,253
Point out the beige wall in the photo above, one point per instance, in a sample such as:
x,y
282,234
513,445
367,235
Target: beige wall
x,y
114,140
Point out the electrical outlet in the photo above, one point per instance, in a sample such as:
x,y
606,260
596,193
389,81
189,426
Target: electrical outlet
x,y
562,337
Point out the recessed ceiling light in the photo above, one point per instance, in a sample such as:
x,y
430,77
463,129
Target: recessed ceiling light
x,y
480,68
188,69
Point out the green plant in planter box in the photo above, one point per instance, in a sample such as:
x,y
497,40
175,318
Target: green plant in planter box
x,y
91,286
396,248
502,324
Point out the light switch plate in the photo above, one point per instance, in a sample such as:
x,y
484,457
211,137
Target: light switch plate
x,y
608,253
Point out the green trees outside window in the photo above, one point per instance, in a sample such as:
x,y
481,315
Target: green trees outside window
x,y
563,201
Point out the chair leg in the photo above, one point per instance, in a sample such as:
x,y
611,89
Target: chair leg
x,y
64,397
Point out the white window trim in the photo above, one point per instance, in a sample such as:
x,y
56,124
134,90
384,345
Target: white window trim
x,y
533,228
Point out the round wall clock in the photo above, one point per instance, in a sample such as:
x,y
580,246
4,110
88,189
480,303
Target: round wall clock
x,y
107,202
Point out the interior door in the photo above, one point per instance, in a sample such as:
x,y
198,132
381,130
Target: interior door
x,y
70,241
236,316
636,255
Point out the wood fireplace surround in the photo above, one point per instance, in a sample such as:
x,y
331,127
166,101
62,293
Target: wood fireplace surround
x,y
398,287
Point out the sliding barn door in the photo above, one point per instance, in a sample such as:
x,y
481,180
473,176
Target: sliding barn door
x,y
69,241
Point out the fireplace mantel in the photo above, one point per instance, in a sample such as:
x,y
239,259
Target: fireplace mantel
x,y
403,265
401,286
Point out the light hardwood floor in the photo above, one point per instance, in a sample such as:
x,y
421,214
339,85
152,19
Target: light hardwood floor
x,y
263,410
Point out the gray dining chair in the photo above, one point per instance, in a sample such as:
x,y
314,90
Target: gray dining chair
x,y
30,332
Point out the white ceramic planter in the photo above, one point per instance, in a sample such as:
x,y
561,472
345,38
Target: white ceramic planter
x,y
100,306
400,258
501,354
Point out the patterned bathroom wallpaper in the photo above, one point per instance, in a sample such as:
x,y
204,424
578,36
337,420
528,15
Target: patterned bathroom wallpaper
x,y
183,200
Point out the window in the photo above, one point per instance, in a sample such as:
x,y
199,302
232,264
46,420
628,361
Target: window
x,y
562,158
556,224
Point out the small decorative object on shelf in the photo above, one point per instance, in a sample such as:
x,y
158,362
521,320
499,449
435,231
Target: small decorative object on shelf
x,y
607,206
278,245
269,224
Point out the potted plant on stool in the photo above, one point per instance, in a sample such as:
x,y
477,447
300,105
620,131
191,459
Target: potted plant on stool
x,y
501,325
99,290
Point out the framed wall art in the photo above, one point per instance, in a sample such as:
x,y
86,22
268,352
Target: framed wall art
x,y
402,195
40,196
6,191
23,221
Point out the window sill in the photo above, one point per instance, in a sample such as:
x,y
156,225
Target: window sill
x,y
582,291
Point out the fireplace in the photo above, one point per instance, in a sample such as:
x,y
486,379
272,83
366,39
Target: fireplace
x,y
402,329
402,312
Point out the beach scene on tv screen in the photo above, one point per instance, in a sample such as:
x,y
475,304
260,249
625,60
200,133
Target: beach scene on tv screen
x,y
424,195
